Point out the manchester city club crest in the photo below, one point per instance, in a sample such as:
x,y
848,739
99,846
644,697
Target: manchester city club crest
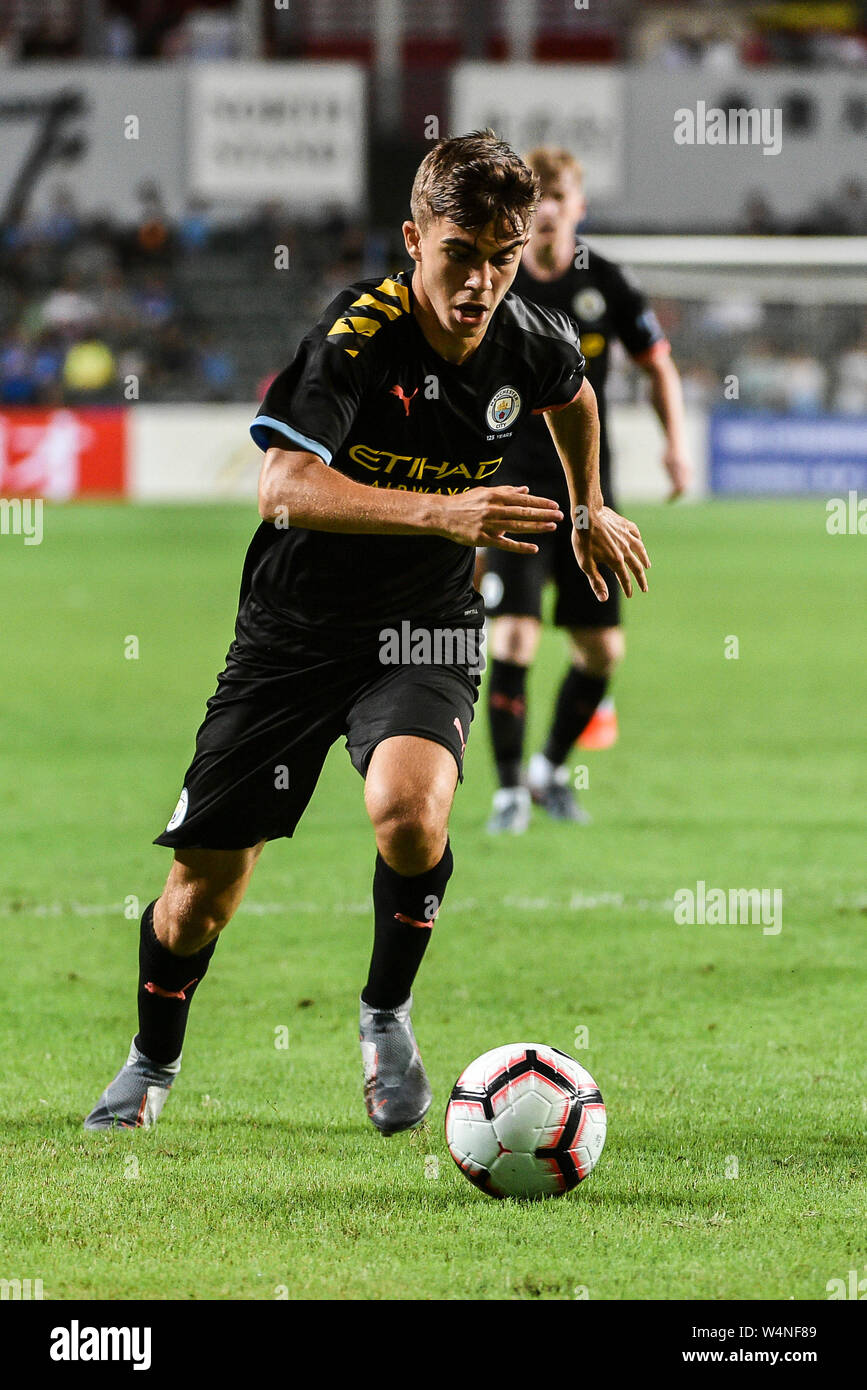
x,y
588,304
503,408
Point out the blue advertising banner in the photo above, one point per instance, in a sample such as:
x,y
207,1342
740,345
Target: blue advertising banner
x,y
751,452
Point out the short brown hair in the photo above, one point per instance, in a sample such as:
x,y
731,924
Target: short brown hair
x,y
475,180
549,163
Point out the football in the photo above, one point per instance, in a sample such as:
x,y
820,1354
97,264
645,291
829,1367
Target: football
x,y
525,1120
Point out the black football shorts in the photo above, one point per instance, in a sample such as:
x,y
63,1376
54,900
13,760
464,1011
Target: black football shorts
x,y
272,720
513,584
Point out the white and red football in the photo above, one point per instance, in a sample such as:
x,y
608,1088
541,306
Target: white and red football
x,y
525,1120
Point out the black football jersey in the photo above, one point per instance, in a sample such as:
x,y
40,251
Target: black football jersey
x,y
605,303
368,394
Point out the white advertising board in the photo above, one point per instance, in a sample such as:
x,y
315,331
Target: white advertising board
x,y
291,131
579,106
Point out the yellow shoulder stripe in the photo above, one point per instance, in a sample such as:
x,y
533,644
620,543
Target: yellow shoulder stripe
x,y
392,310
362,324
400,292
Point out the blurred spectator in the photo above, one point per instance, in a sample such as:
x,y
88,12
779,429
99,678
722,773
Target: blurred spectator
x,y
152,241
852,207
95,251
204,36
67,308
804,382
89,371
269,226
761,376
153,301
117,309
55,32
739,313
758,217
119,39
843,213
171,358
196,226
18,384
48,356
61,223
216,368
851,395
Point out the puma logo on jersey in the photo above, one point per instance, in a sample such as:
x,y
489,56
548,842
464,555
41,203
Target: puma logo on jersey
x,y
403,397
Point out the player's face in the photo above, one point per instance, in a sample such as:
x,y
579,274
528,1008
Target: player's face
x,y
561,208
461,276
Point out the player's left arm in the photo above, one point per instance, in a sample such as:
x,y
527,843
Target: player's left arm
x,y
666,395
640,332
600,536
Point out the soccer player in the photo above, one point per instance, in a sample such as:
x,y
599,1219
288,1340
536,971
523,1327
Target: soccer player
x,y
383,439
603,302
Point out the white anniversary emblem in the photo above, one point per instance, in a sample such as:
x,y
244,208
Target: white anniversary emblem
x,y
503,408
180,810
588,304
492,588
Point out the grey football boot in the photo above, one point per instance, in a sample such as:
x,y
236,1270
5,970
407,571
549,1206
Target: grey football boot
x,y
561,803
134,1099
550,788
511,811
397,1092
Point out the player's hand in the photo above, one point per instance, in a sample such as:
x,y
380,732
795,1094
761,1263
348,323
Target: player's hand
x,y
482,516
609,539
679,469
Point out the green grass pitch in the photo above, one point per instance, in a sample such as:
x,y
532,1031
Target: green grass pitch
x,y
720,1050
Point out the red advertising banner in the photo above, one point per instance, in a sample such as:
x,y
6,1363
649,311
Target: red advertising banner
x,y
63,453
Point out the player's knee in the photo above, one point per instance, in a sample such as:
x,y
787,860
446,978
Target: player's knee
x,y
410,835
514,639
190,920
601,652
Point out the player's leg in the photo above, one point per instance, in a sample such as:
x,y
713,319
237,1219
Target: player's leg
x,y
408,794
258,755
406,735
596,645
178,936
512,588
514,642
595,653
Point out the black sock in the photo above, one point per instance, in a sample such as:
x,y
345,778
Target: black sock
x,y
576,704
507,715
404,912
166,985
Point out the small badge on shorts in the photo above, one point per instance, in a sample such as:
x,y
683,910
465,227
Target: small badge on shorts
x,y
492,589
179,812
503,408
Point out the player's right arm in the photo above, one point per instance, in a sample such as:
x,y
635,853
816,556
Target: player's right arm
x,y
297,488
306,416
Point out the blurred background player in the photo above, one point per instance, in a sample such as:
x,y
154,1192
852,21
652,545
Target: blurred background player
x,y
561,272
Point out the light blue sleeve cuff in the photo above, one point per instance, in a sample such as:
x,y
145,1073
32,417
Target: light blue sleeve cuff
x,y
263,423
